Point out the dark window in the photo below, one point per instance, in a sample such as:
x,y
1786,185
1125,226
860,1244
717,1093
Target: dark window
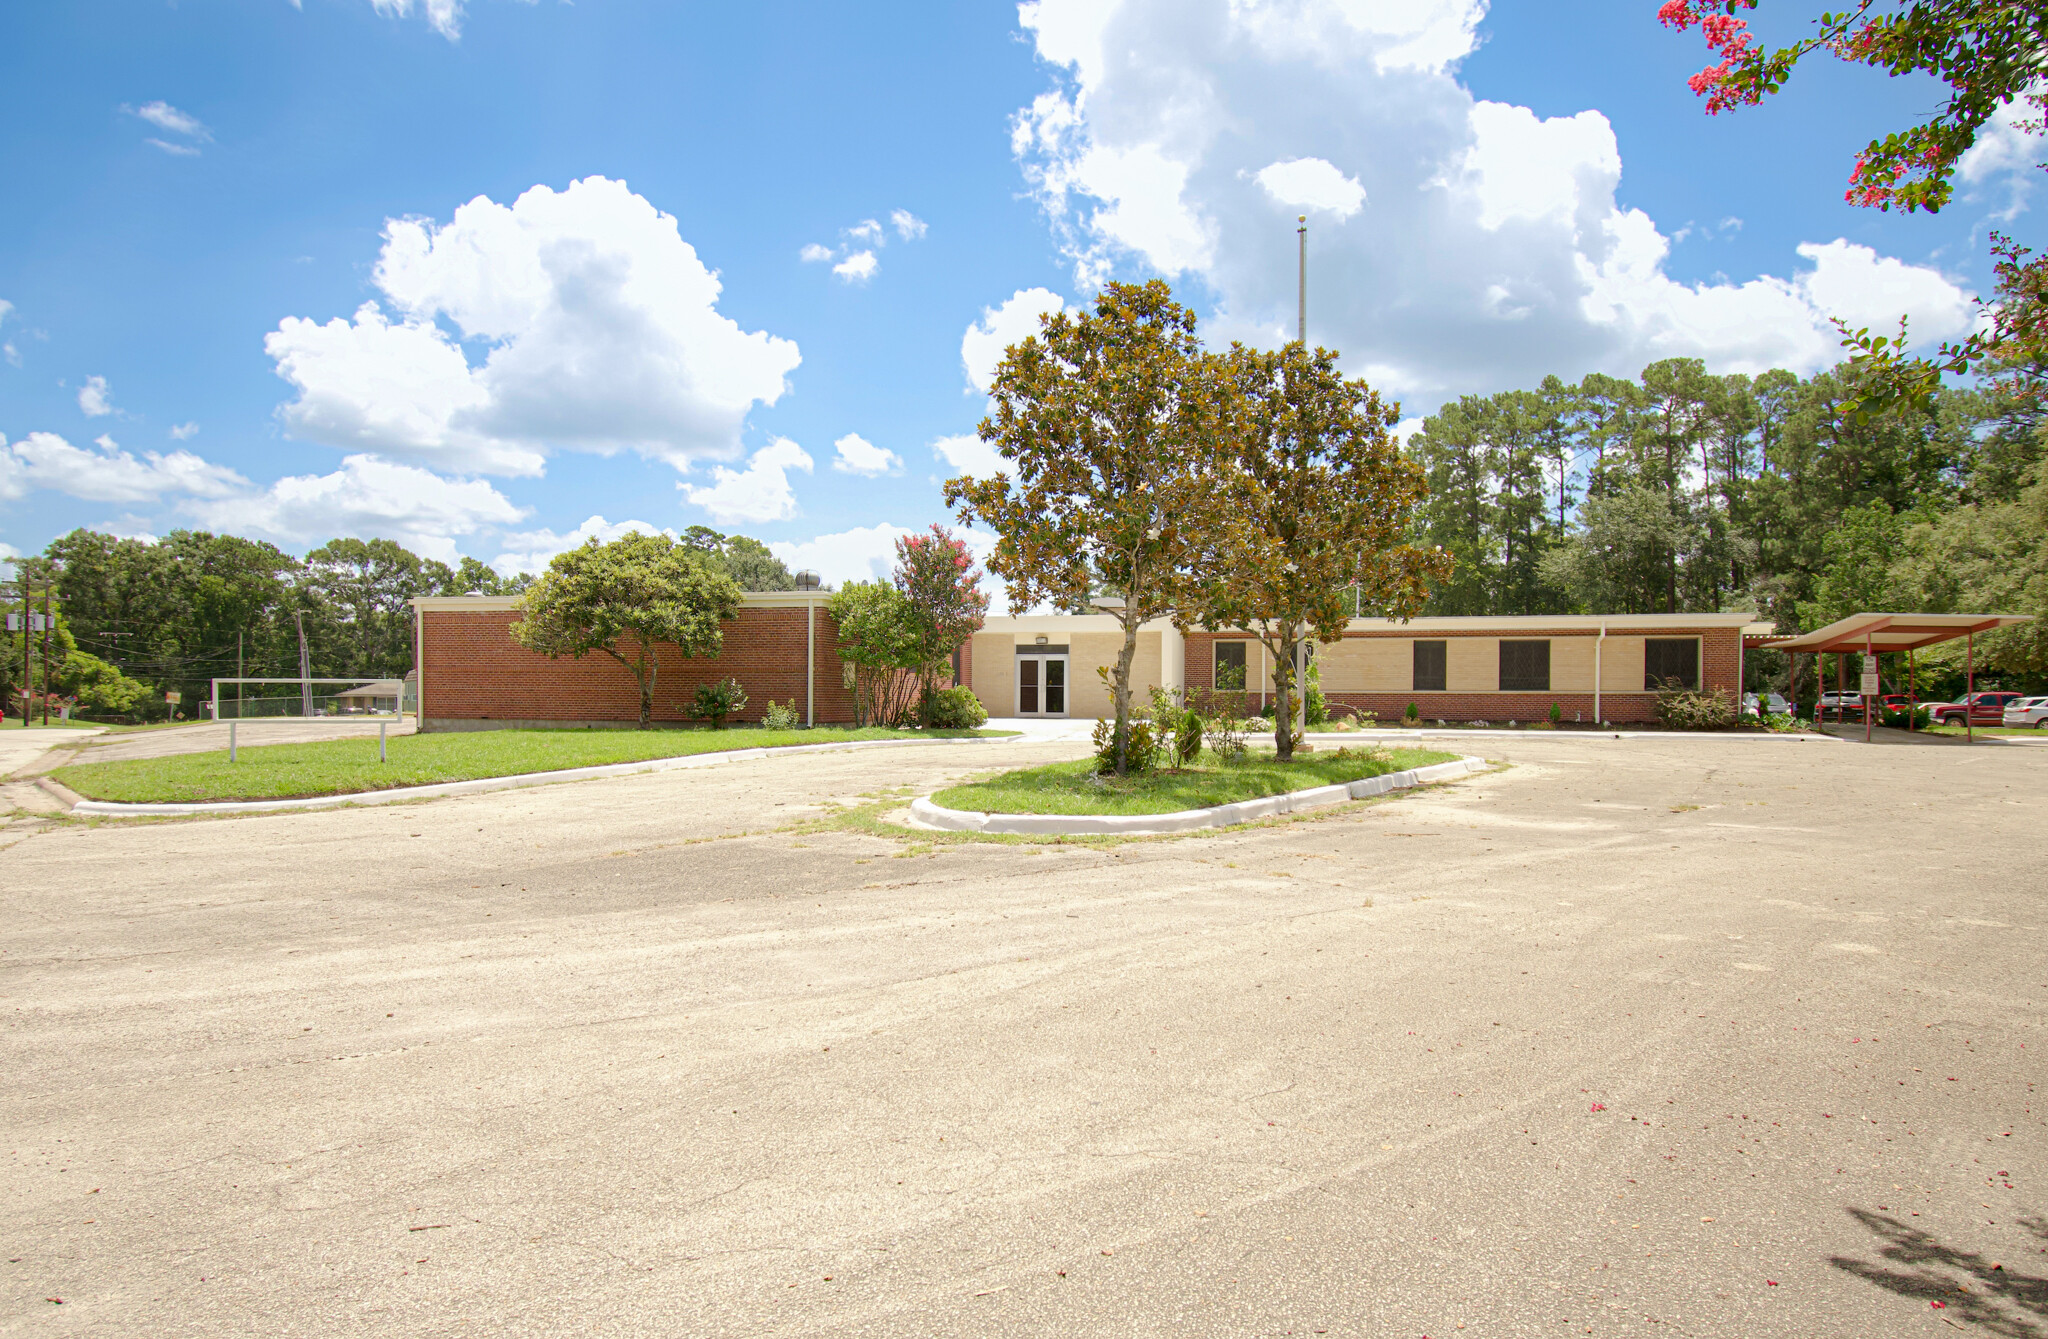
x,y
1525,667
1429,667
1668,658
1230,666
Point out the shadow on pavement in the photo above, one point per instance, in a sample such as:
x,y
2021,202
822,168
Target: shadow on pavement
x,y
1973,1289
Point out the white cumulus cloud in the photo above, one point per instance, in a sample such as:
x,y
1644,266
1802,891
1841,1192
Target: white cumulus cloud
x,y
857,455
1311,183
857,268
184,432
1486,248
864,554
368,498
814,252
908,225
599,327
46,461
95,399
760,492
530,550
968,455
171,121
1011,322
2008,153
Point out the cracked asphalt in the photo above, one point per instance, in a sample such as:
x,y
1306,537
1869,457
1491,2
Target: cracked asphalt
x,y
1634,1037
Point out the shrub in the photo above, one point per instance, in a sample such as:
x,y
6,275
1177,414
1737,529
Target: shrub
x,y
1900,720
1684,709
1141,746
954,709
1176,727
781,717
1556,713
716,701
1315,708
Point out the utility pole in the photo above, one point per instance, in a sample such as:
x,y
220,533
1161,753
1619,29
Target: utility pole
x,y
1301,281
305,667
27,639
46,647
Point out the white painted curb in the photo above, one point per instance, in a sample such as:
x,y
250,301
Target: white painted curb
x,y
925,814
113,809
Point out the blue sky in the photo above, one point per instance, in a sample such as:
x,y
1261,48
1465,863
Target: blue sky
x,y
203,198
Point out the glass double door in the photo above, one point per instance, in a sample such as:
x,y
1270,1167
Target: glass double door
x,y
1041,685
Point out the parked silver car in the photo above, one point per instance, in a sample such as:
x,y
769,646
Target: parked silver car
x,y
1774,704
2028,711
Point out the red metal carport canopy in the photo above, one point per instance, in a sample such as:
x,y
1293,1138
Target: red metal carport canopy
x,y
1875,634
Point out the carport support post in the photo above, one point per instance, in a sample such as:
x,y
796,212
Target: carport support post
x,y
1970,688
1869,667
1912,691
810,662
231,740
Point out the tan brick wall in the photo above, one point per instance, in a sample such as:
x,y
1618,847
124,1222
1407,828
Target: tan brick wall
x,y
1375,673
474,671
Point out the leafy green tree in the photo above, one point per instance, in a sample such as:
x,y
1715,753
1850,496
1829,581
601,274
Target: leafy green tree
x,y
1316,497
481,578
1107,417
748,560
941,586
881,643
627,599
364,589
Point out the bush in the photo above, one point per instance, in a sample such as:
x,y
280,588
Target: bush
x,y
716,701
1414,716
781,717
1556,713
1899,720
1684,709
1141,746
1314,706
954,709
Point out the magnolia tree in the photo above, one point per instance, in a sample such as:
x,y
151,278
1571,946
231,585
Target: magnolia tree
x,y
1314,506
941,587
626,599
1106,419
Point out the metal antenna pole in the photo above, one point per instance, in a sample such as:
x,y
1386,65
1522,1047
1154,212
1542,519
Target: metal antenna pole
x,y
1301,281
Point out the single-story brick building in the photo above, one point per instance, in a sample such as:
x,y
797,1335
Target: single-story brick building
x,y
782,646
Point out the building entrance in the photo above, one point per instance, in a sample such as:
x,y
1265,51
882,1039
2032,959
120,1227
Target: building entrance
x,y
1041,685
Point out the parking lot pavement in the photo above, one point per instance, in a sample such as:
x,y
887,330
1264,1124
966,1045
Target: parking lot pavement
x,y
1635,1037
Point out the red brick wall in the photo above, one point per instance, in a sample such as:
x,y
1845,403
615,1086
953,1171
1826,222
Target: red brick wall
x,y
1720,662
475,671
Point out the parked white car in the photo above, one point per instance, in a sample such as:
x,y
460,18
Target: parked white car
x,y
2028,711
1774,704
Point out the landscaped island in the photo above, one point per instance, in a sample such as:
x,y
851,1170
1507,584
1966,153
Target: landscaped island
x,y
1076,788
348,766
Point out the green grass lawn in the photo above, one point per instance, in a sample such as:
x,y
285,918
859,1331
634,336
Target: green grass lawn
x,y
343,766
1073,787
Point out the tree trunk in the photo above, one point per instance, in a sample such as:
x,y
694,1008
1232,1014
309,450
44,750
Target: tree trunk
x,y
1283,695
1120,692
646,674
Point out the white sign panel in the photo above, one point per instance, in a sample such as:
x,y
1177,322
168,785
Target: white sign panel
x,y
1870,688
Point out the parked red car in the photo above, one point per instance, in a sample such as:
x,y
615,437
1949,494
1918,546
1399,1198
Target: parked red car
x,y
1976,709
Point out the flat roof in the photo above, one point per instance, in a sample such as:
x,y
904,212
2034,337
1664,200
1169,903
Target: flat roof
x,y
489,604
1891,632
